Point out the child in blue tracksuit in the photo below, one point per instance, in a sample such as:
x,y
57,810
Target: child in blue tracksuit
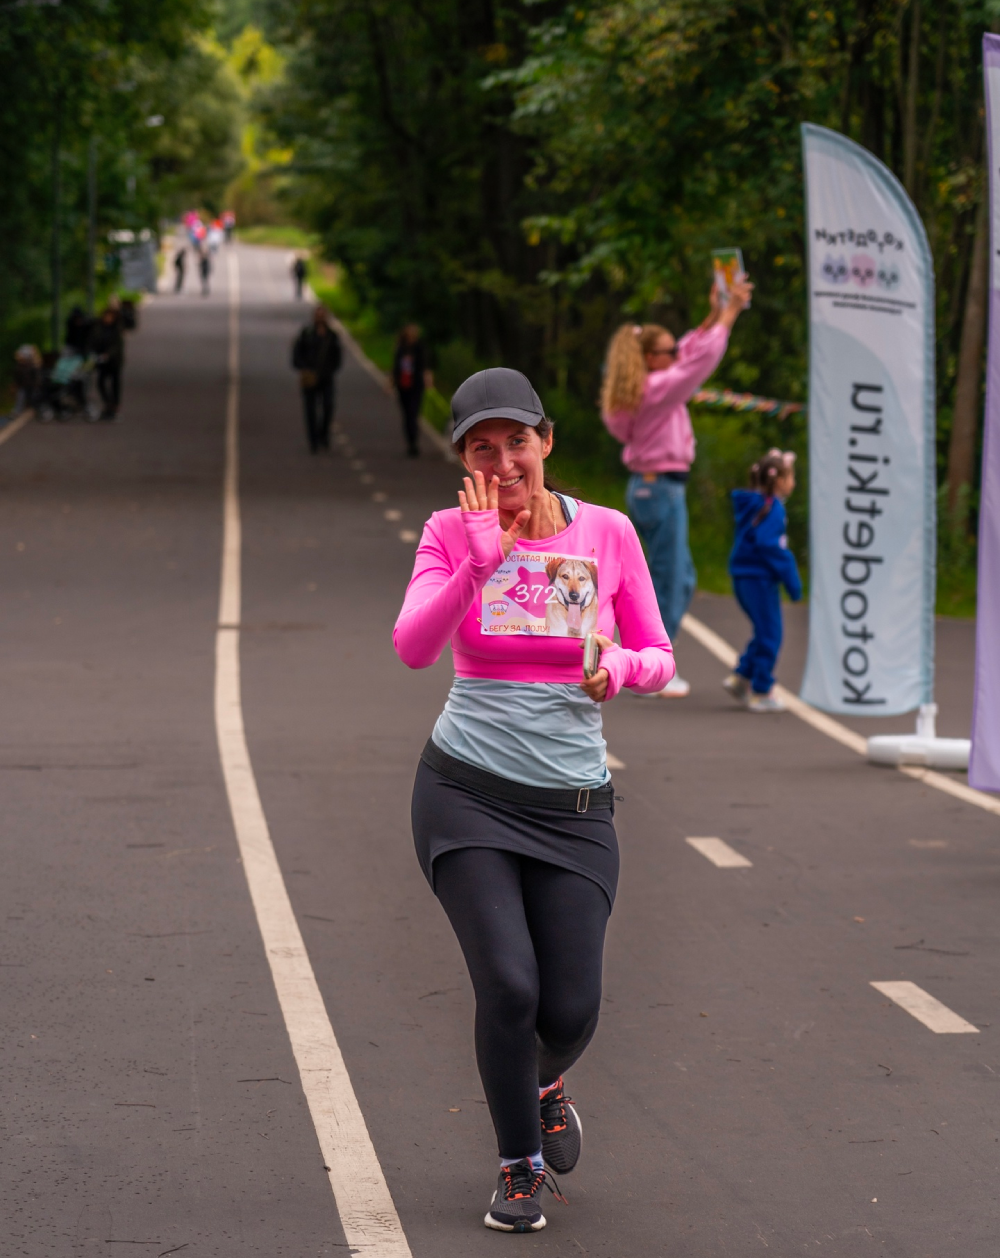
x,y
760,563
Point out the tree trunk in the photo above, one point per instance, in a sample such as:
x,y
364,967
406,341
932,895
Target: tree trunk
x,y
910,111
964,425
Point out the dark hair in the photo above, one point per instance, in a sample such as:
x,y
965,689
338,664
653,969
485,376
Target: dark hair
x,y
544,429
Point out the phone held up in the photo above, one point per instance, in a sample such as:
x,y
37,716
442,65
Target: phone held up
x,y
727,269
591,656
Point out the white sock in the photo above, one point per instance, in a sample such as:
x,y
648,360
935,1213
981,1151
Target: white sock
x,y
534,1158
542,1091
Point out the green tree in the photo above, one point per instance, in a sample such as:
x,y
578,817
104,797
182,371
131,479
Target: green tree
x,y
119,78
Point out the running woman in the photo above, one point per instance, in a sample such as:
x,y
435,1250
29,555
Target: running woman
x,y
513,803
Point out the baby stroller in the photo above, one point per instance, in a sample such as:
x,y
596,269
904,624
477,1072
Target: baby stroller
x,y
65,388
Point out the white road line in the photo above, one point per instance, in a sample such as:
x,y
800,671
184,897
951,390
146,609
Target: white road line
x,y
720,853
614,764
16,425
370,1222
723,652
926,1009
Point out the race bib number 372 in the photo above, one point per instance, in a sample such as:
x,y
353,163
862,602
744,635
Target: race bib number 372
x,y
551,596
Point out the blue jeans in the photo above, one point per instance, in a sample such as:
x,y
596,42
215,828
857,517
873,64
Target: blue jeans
x,y
659,512
760,598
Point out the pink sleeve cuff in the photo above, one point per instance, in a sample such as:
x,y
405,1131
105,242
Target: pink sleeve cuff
x,y
644,671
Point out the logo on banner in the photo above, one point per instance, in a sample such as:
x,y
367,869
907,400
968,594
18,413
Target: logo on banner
x,y
548,596
860,260
869,239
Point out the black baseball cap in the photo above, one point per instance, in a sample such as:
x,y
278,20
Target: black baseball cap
x,y
496,393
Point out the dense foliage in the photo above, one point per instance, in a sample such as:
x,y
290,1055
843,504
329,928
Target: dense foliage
x,y
519,176
139,86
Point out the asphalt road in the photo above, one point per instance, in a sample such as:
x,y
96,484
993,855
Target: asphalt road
x,y
748,1090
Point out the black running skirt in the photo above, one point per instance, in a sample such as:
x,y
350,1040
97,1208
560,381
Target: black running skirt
x,y
448,814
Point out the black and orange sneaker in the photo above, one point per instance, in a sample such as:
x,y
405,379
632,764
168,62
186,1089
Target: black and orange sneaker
x,y
516,1204
562,1130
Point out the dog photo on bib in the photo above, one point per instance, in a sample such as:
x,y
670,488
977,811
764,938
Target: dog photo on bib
x,y
551,596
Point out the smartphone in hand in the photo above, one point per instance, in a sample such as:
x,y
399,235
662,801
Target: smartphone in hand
x,y
727,269
591,655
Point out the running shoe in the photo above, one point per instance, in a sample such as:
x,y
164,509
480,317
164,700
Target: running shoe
x,y
516,1204
562,1130
765,703
676,688
737,686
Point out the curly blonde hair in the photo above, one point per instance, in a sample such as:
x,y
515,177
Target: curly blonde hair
x,y
625,370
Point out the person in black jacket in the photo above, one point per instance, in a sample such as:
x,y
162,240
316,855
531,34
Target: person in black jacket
x,y
409,369
316,356
107,344
299,276
79,329
180,262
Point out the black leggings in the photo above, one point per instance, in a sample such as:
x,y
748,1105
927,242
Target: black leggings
x,y
533,938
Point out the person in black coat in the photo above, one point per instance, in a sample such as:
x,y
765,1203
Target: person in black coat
x,y
299,276
409,371
107,344
204,270
180,262
316,356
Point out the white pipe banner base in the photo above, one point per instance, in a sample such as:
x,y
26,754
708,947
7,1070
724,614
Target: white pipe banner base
x,y
932,753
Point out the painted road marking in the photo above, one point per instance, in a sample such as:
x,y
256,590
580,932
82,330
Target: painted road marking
x,y
614,764
720,853
367,1214
926,1009
393,514
408,535
728,655
16,425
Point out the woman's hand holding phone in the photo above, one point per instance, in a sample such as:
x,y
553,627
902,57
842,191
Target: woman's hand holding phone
x,y
595,687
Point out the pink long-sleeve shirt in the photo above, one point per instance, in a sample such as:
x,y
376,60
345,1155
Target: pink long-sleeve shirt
x,y
658,437
457,555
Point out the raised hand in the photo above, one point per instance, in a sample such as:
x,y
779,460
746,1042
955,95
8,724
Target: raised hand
x,y
478,496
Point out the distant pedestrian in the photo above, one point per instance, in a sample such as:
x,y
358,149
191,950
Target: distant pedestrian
x,y
205,271
228,225
760,564
180,262
27,377
107,344
649,379
299,276
409,375
316,356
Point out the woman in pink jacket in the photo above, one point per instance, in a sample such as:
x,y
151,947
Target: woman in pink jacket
x,y
513,803
649,378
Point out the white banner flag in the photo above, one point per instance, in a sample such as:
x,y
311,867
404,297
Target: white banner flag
x,y
871,436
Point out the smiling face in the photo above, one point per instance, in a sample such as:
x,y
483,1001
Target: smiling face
x,y
512,452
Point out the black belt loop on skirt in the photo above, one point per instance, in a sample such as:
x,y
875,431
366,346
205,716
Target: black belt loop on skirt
x,y
570,799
